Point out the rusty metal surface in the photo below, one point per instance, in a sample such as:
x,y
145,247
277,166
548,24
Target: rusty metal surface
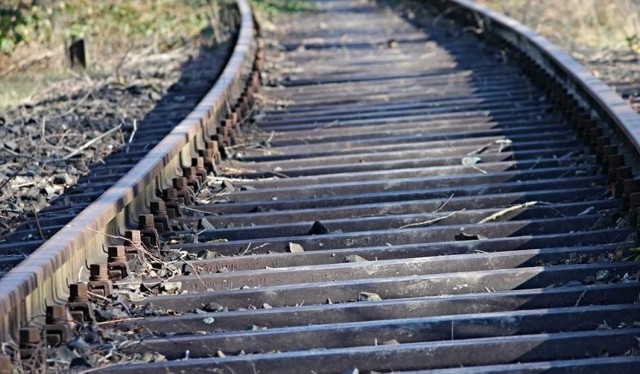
x,y
42,278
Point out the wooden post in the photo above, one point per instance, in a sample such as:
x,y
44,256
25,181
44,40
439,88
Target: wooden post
x,y
77,56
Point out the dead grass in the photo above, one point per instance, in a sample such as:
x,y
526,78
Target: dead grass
x,y
575,24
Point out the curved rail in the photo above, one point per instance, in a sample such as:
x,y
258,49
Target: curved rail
x,y
44,276
592,93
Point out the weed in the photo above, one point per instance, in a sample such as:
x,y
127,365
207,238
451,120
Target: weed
x,y
635,253
274,7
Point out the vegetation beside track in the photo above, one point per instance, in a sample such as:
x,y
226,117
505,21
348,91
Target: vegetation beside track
x,y
603,35
34,35
576,24
273,7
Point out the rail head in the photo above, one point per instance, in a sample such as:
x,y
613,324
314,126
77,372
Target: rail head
x,y
43,277
599,99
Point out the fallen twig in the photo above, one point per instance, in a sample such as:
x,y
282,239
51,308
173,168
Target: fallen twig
x,y
249,249
536,163
98,296
140,247
119,320
580,298
195,210
478,169
16,154
133,133
35,214
431,221
90,142
444,204
507,210
13,175
77,105
326,126
42,128
195,271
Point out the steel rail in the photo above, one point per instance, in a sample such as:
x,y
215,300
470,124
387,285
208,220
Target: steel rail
x,y
595,96
42,278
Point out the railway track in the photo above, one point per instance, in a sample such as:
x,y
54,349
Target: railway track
x,y
458,196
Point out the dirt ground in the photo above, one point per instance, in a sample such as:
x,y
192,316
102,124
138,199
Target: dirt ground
x,y
48,142
619,69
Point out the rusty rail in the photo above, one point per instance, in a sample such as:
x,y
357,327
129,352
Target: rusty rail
x,y
594,96
42,279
